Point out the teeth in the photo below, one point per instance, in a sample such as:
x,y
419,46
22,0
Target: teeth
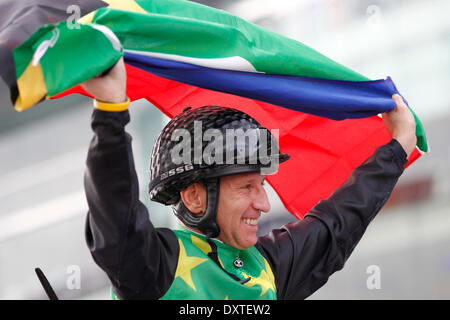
x,y
252,222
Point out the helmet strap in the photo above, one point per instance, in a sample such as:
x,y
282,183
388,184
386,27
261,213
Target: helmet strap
x,y
207,223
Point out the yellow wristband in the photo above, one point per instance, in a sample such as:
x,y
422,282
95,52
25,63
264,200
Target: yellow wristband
x,y
112,107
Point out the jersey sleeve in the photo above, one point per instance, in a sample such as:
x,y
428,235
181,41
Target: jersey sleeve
x,y
139,259
305,253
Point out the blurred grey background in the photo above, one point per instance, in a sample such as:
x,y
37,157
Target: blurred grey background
x,y
405,253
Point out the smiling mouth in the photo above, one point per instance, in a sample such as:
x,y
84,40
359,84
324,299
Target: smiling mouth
x,y
251,222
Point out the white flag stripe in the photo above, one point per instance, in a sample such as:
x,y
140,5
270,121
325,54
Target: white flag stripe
x,y
231,63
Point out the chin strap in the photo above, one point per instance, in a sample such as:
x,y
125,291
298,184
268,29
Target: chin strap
x,y
206,223
214,257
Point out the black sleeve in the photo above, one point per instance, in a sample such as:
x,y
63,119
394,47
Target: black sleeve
x,y
305,253
140,260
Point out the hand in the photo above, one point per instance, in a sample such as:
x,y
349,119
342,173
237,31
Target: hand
x,y
401,124
110,87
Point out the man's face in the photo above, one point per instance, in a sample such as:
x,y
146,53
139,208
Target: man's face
x,y
242,198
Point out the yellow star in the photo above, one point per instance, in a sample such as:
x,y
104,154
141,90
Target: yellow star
x,y
185,266
270,274
265,280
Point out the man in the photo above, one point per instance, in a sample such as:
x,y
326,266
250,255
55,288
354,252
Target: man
x,y
216,253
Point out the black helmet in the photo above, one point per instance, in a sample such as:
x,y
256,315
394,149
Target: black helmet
x,y
177,160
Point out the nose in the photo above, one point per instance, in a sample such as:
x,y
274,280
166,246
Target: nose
x,y
261,201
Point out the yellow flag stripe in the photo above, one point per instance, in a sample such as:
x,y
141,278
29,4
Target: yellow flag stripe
x,y
128,5
31,86
86,19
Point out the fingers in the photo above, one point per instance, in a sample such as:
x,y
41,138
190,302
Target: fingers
x,y
118,67
115,69
399,101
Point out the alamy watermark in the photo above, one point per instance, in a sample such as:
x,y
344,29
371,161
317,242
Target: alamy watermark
x,y
74,12
373,281
229,146
73,281
375,16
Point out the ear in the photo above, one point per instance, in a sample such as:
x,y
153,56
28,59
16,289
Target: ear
x,y
194,198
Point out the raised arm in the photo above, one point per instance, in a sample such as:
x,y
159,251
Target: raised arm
x,y
139,259
304,254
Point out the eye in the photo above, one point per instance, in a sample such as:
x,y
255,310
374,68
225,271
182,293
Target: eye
x,y
246,186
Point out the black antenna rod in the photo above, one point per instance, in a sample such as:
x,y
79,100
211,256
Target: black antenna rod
x,y
47,287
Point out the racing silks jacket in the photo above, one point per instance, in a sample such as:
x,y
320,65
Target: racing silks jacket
x,y
144,262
